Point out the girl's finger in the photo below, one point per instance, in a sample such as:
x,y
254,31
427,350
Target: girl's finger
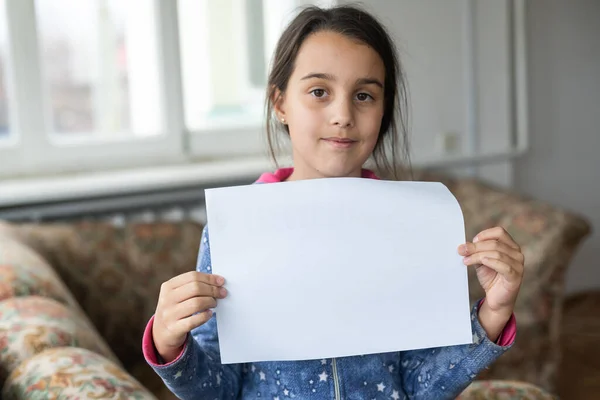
x,y
504,269
187,324
497,233
191,307
196,289
192,276
478,258
469,249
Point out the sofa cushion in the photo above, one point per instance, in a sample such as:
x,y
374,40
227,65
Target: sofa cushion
x,y
71,373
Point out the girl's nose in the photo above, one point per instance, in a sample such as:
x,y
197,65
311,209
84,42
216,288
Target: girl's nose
x,y
342,116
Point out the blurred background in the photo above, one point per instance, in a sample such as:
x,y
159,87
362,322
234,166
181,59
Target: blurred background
x,y
124,111
100,97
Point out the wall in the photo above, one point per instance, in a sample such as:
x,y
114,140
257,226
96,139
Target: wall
x,y
457,82
563,166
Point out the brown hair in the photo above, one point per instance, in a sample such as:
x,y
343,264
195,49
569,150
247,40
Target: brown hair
x,y
355,24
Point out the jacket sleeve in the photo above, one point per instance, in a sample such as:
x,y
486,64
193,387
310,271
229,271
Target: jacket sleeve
x,y
444,372
197,373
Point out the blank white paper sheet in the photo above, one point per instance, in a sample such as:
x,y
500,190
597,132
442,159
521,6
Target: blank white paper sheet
x,y
337,267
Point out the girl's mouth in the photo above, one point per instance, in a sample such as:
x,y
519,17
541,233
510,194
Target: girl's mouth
x,y
340,143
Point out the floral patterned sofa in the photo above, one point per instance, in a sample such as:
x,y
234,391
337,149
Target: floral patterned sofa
x,y
75,297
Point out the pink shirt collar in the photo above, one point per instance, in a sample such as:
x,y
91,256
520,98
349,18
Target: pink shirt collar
x,y
283,173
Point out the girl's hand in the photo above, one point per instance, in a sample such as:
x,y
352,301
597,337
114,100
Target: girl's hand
x,y
184,303
499,266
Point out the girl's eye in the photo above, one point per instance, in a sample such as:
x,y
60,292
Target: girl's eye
x,y
364,97
318,93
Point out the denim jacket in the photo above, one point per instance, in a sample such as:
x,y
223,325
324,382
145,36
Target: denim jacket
x,y
435,373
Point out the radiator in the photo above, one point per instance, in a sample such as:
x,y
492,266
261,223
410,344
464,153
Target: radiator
x,y
173,205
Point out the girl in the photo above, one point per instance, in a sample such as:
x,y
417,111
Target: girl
x,y
334,88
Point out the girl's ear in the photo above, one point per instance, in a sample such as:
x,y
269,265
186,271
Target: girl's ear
x,y
278,102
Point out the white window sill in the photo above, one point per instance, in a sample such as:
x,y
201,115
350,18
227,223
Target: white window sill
x,y
22,191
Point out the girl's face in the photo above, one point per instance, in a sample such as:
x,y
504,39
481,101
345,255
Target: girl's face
x,y
333,106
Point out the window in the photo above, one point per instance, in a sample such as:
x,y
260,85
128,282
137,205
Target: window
x,y
215,66
99,63
105,84
224,75
4,128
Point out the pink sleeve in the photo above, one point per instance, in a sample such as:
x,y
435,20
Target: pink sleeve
x,y
507,337
509,333
149,350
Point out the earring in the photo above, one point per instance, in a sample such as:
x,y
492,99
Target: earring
x,y
283,121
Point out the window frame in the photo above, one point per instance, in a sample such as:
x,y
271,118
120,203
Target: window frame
x,y
34,150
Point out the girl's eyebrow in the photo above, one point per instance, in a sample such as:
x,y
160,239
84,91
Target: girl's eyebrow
x,y
369,81
329,77
319,75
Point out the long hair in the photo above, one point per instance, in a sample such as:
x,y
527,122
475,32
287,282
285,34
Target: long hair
x,y
355,24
